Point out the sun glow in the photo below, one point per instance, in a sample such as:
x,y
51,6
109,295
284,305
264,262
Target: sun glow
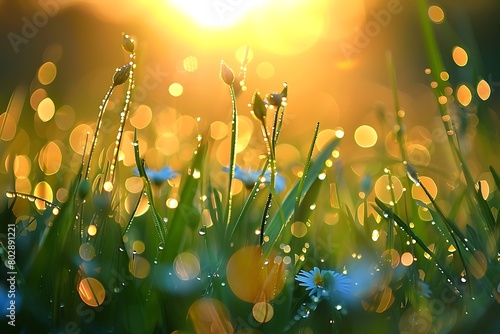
x,y
218,13
282,27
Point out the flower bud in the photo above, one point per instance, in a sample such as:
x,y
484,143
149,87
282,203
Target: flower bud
x,y
226,74
274,99
259,109
128,43
121,74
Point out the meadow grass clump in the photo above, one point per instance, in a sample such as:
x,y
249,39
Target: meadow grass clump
x,y
137,249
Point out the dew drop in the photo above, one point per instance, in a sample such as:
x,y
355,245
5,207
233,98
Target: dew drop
x,y
203,230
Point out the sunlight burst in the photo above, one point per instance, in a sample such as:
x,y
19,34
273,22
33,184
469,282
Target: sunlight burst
x,y
217,14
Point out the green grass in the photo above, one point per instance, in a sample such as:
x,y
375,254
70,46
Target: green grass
x,y
160,268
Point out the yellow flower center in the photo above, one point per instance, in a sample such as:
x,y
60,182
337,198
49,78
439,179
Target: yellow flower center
x,y
318,280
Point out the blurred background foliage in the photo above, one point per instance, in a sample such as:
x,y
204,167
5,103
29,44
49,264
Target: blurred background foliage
x,y
57,58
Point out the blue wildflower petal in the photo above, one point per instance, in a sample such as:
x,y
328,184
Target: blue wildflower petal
x,y
249,177
423,289
311,280
158,177
338,284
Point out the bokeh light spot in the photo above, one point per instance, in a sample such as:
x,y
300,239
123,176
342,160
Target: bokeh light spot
x,y
176,89
485,188
386,188
139,267
167,144
331,218
392,256
131,204
262,312
406,259
79,136
250,279
92,230
134,184
47,73
419,194
209,315
424,213
190,63
324,137
299,229
464,95
444,76
91,291
50,158
365,136
36,97
86,251
141,117
138,246
218,130
265,70
43,190
187,266
460,56
172,203
65,117
22,166
436,14
46,109
483,90
418,155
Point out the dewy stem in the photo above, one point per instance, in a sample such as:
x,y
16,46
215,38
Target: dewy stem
x,y
232,156
270,153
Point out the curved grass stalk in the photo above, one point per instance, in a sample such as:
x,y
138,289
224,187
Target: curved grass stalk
x,y
246,205
100,116
232,155
160,228
298,195
397,107
123,118
32,198
265,217
386,212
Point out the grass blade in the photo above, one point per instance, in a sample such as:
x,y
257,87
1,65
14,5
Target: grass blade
x,y
276,224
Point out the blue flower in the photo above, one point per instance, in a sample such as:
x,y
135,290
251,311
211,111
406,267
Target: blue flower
x,y
324,283
337,283
249,177
312,280
423,289
158,176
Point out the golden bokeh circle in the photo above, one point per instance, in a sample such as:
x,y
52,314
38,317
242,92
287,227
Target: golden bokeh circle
x,y
187,266
388,189
91,291
251,279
